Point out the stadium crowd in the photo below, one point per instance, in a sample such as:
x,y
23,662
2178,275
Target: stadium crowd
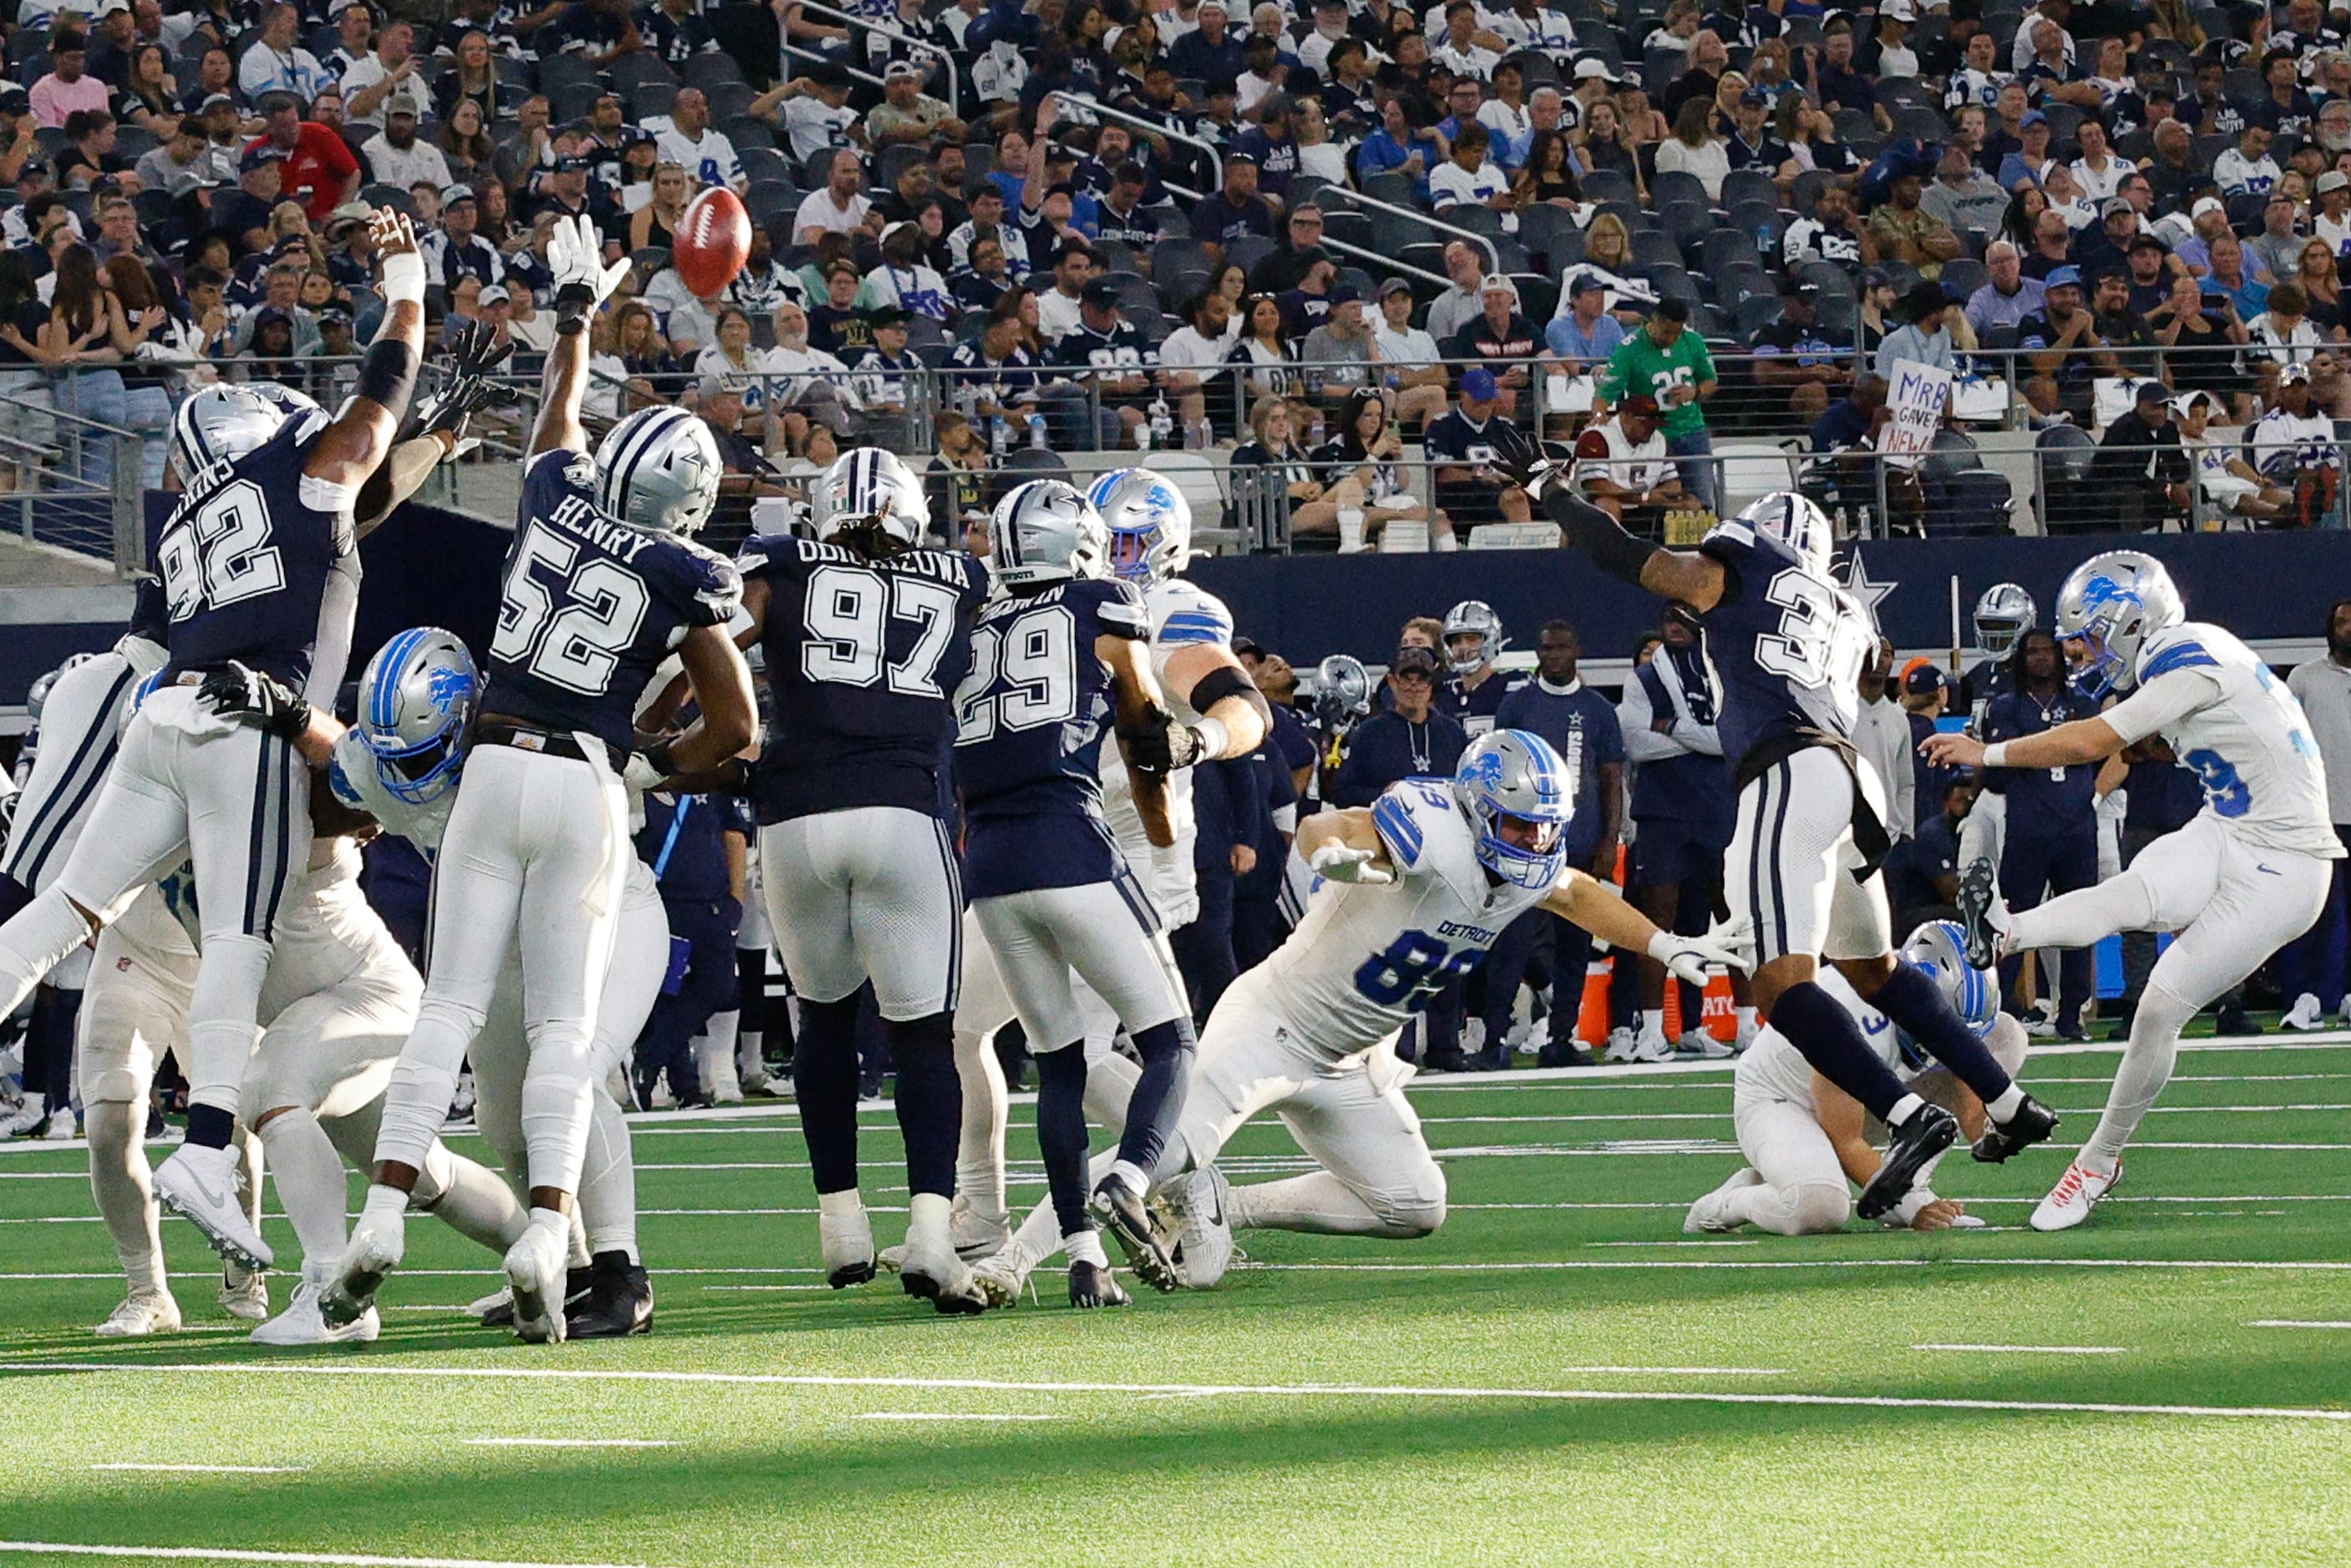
x,y
1333,241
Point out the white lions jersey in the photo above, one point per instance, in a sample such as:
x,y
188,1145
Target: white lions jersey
x,y
326,934
1773,1066
1181,616
1367,957
2237,728
353,775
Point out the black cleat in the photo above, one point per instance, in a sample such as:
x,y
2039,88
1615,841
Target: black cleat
x,y
1978,939
1930,1130
2031,1124
577,1282
1562,1056
1092,1285
2235,1020
1498,1060
619,1303
1122,1214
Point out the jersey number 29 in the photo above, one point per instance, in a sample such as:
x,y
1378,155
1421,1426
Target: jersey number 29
x,y
220,554
565,620
1036,656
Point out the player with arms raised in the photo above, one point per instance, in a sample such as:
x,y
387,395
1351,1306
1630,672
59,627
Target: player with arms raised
x,y
2249,874
1801,876
260,577
600,586
865,634
1054,659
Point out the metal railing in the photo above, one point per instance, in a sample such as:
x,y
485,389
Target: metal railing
x,y
1356,198
56,499
920,46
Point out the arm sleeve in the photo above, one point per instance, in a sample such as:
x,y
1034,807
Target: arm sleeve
x,y
2166,700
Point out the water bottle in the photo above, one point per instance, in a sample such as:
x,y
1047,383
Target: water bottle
x,y
1314,431
1037,442
1163,423
1763,243
999,439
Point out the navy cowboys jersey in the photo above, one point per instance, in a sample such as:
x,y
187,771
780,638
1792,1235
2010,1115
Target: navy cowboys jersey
x,y
1474,710
1030,723
861,656
1121,351
257,563
592,606
1786,643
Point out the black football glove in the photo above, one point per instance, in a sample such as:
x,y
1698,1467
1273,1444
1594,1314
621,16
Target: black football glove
x,y
257,697
1529,463
1163,745
474,358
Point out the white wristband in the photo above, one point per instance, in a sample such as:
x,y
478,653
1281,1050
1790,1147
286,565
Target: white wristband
x,y
1996,754
403,279
1214,738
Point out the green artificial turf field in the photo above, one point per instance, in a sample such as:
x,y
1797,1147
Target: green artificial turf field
x,y
1559,1376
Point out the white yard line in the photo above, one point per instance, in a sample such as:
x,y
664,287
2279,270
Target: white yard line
x,y
568,1443
951,1416
206,1470
2295,1323
1268,1390
2030,1349
232,1554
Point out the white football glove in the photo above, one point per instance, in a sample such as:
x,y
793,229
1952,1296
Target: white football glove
x,y
1336,862
1690,957
575,255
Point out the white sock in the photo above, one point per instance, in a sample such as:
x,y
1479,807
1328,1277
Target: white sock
x,y
926,1222
311,1187
2145,1069
1746,1016
607,1180
2085,916
1085,1247
2007,1104
221,1013
840,1205
1801,1210
471,1200
750,1055
557,1104
1320,1203
126,1199
576,1252
1131,1177
1653,1021
424,1082
980,1151
1903,1110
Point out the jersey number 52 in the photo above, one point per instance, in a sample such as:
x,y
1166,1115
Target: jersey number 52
x,y
565,620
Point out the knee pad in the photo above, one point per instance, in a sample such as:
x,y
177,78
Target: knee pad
x,y
433,1177
1813,1209
1412,1211
115,1087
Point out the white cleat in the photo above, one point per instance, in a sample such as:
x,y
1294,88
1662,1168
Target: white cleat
x,y
62,1127
1621,1044
1710,1215
537,1273
499,1301
142,1313
935,1273
847,1241
1703,1046
2307,1015
1204,1239
1003,1279
974,1234
301,1323
24,1120
1650,1046
243,1293
2076,1193
376,1245
199,1185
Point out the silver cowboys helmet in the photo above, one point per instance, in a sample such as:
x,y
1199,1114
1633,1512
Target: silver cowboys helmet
x,y
1473,618
1150,523
1939,947
219,423
416,701
1514,775
2106,612
658,469
870,487
1045,532
1796,523
2005,613
1343,687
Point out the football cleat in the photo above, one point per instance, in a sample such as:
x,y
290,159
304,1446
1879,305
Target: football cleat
x,y
199,1185
1930,1131
1203,1242
1117,1210
1982,917
374,1251
141,1312
61,1128
536,1273
2077,1192
497,1310
847,1241
1697,1045
2033,1123
243,1293
942,1279
1002,1278
618,1301
1650,1045
302,1323
2305,1014
25,1120
1092,1285
1710,1214
1556,1055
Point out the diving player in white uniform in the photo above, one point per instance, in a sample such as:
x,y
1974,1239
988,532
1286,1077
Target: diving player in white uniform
x,y
1804,1136
2246,876
260,577
1414,889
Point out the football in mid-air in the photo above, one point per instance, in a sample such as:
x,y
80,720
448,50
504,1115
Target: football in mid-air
x,y
714,239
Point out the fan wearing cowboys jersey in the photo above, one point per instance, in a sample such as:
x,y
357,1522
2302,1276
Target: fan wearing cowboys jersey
x,y
1110,354
1788,643
2002,615
261,578
1063,652
600,586
865,634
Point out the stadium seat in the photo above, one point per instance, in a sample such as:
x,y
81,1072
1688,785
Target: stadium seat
x,y
1605,185
1743,185
1195,474
1753,313
730,99
765,164
1654,249
1675,186
748,134
640,66
1964,275
1967,503
1751,471
650,98
1725,248
706,70
572,100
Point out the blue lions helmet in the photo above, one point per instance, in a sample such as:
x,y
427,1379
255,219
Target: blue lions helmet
x,y
415,702
1939,947
2106,612
1150,524
1515,774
